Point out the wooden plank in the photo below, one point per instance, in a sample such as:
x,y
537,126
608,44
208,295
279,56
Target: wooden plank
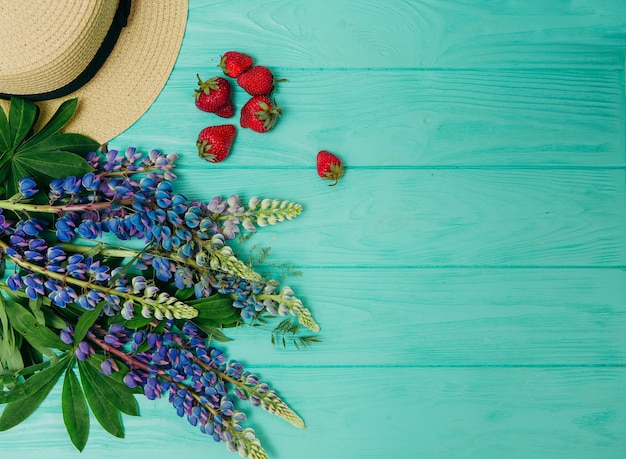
x,y
410,118
437,217
411,33
390,412
432,317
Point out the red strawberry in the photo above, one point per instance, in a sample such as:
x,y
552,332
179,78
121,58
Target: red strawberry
x,y
214,142
258,81
259,114
234,63
213,94
329,167
226,111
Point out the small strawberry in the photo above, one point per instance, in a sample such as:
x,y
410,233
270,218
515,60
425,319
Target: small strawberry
x,y
214,142
226,111
329,167
213,94
258,81
234,63
259,114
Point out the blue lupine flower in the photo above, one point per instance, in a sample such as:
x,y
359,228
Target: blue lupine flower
x,y
34,286
32,226
91,181
65,228
14,282
71,185
162,268
89,229
27,186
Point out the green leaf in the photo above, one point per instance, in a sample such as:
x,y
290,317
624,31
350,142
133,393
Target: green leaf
x,y
107,414
60,164
138,321
75,143
184,294
217,308
17,172
27,325
22,116
35,308
10,356
213,332
75,411
117,393
53,320
34,384
30,395
85,322
5,133
60,118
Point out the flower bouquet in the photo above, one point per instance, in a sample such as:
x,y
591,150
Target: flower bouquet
x,y
117,285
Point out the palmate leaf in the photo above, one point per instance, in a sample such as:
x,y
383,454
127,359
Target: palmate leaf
x,y
5,135
75,411
114,390
45,167
60,118
22,117
44,155
25,398
107,414
75,143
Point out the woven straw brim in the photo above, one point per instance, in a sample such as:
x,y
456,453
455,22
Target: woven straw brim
x,y
132,76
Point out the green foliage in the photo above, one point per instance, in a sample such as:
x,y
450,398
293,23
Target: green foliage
x,y
25,323
44,155
214,313
287,332
26,396
75,411
107,414
86,320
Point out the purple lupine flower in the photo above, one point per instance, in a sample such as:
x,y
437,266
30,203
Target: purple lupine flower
x,y
84,350
108,366
67,335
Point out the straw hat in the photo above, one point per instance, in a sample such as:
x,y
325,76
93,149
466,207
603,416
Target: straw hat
x,y
52,50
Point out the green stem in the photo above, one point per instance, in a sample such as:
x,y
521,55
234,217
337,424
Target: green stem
x,y
101,249
48,209
86,285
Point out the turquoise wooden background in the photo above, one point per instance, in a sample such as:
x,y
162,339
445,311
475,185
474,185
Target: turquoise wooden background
x,y
469,272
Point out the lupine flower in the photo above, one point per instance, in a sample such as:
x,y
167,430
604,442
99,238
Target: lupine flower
x,y
28,187
128,197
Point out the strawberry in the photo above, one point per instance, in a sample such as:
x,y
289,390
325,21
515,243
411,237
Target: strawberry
x,y
234,63
214,142
329,167
258,81
226,111
213,94
259,114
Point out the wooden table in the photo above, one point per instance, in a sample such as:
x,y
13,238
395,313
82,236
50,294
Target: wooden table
x,y
468,272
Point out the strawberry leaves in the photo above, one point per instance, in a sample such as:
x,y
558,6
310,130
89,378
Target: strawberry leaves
x,y
46,154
